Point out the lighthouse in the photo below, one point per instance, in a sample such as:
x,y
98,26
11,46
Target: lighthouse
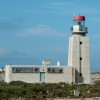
x,y
79,52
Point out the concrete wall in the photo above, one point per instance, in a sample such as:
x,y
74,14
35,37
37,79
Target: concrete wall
x,y
76,52
67,75
94,76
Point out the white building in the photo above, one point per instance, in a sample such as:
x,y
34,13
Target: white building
x,y
77,71
37,74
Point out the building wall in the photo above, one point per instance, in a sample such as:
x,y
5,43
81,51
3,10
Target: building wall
x,y
2,76
79,57
93,76
67,75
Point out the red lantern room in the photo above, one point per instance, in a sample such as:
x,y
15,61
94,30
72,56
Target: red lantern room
x,y
79,25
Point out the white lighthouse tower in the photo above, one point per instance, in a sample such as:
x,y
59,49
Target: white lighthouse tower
x,y
79,54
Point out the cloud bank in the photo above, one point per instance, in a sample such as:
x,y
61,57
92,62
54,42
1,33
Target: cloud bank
x,y
42,30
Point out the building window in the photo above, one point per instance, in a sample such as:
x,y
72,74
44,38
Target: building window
x,y
13,69
31,70
25,69
49,69
55,70
36,70
61,70
80,42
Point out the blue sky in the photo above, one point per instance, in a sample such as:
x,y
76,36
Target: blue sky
x,y
34,30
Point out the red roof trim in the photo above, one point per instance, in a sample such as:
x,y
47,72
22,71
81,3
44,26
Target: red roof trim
x,y
79,17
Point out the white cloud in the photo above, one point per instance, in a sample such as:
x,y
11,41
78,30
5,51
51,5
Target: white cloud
x,y
39,25
52,7
6,54
43,30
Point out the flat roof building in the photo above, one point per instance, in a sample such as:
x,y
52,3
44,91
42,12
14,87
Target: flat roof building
x,y
37,74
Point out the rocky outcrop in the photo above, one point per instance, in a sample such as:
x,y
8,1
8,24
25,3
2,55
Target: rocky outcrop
x,y
95,76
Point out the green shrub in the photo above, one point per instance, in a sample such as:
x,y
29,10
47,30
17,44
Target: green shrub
x,y
2,83
42,91
17,83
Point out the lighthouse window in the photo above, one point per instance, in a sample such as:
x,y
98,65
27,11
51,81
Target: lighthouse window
x,y
80,74
78,23
80,58
80,42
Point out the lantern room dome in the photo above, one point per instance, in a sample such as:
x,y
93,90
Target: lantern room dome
x,y
79,18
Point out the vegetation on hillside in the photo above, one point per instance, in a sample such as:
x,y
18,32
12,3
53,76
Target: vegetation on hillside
x,y
41,91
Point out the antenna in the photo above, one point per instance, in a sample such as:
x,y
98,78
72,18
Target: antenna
x,y
79,11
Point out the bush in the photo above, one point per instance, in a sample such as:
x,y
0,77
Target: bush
x,y
17,83
2,83
40,91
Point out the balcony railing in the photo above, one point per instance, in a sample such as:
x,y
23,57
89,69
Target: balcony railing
x,y
81,29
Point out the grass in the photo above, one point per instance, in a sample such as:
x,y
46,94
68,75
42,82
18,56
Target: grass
x,y
41,91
